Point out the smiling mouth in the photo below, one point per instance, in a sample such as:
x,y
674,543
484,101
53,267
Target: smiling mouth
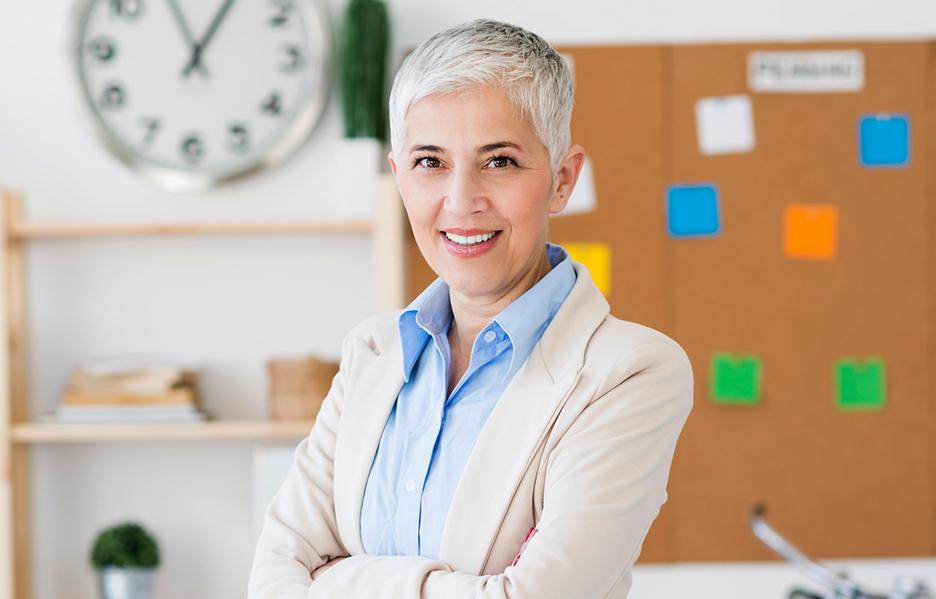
x,y
469,240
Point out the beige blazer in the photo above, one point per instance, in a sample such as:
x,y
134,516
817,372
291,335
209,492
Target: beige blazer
x,y
579,445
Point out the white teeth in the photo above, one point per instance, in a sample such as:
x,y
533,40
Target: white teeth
x,y
469,239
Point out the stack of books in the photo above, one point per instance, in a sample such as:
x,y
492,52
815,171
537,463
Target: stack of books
x,y
131,390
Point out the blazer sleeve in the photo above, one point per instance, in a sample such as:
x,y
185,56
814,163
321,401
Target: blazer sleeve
x,y
605,483
300,531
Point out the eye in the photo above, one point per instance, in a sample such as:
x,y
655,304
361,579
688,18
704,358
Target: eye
x,y
501,162
427,161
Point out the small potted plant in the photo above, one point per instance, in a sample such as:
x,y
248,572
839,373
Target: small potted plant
x,y
125,556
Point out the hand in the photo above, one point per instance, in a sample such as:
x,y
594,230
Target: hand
x,y
186,32
198,48
318,571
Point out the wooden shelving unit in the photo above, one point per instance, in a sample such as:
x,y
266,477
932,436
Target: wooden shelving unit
x,y
18,433
23,231
217,430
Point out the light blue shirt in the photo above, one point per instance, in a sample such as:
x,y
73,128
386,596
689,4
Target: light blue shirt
x,y
428,436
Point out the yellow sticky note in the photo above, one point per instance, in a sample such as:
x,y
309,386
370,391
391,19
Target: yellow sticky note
x,y
597,259
811,231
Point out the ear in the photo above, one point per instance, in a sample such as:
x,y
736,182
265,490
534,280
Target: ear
x,y
566,177
393,164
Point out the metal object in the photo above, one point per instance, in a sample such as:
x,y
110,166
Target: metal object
x,y
838,586
125,583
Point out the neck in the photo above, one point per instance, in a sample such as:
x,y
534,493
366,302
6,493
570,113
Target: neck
x,y
470,314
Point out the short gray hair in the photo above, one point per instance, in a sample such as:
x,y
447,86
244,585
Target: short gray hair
x,y
485,52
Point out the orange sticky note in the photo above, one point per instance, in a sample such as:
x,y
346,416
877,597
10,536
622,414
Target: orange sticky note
x,y
597,259
811,231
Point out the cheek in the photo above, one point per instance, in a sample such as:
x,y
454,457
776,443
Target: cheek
x,y
414,199
526,207
420,209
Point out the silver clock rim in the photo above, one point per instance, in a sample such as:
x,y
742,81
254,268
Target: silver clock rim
x,y
296,133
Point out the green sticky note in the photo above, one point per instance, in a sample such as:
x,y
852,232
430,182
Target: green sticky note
x,y
860,385
736,379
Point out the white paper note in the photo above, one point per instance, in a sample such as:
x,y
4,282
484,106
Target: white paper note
x,y
583,198
821,71
725,125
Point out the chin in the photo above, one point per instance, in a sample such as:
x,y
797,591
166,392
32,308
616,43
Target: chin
x,y
469,283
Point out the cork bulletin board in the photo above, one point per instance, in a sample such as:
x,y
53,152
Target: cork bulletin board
x,y
816,265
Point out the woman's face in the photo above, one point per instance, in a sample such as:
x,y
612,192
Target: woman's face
x,y
477,186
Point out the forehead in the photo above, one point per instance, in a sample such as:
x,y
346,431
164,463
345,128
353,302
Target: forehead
x,y
467,115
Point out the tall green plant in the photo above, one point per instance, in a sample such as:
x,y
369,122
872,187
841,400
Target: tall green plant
x,y
126,545
364,47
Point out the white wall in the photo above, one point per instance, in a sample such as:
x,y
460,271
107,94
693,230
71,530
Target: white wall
x,y
234,302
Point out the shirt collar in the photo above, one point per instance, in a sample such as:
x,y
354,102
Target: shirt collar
x,y
429,314
523,320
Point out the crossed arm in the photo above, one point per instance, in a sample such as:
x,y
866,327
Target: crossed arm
x,y
605,483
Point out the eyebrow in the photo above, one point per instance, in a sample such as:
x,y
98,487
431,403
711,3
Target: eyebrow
x,y
481,150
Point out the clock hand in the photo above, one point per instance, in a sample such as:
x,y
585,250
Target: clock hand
x,y
184,28
201,45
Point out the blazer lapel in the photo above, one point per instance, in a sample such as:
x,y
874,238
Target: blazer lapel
x,y
516,427
495,467
377,369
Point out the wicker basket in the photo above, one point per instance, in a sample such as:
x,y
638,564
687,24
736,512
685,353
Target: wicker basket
x,y
298,386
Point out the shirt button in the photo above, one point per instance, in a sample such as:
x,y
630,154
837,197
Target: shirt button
x,y
489,336
410,486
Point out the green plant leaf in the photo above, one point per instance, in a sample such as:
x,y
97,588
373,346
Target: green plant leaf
x,y
125,545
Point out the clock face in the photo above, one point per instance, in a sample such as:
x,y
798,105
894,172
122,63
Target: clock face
x,y
192,92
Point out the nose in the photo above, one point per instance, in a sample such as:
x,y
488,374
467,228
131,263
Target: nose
x,y
465,194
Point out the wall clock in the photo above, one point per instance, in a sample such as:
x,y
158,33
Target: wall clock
x,y
192,93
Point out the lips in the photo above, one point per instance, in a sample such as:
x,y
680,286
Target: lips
x,y
468,243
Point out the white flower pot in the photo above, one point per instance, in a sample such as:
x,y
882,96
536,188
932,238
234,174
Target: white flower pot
x,y
126,583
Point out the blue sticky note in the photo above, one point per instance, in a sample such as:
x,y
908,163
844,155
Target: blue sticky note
x,y
692,210
884,140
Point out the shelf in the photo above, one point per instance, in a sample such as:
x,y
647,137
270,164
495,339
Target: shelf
x,y
386,230
217,430
22,230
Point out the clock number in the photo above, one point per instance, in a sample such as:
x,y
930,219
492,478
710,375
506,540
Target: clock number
x,y
113,97
238,138
127,9
152,128
273,105
295,59
283,9
102,48
192,148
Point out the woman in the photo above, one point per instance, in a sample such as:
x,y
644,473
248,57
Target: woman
x,y
503,436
